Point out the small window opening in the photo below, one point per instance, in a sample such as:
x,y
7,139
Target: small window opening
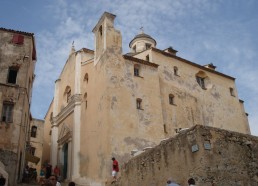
x,y
171,99
134,48
147,58
147,45
100,30
86,77
175,71
165,128
201,81
139,103
7,113
85,99
136,70
68,95
232,92
33,131
12,75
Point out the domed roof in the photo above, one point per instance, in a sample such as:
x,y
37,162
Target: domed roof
x,y
142,36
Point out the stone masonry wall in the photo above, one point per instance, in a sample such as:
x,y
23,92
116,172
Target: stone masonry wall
x,y
211,156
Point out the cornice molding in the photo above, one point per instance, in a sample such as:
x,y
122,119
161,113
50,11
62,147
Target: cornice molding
x,y
66,111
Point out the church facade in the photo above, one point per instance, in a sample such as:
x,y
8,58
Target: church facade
x,y
108,104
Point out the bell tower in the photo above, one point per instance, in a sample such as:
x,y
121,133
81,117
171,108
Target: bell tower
x,y
106,36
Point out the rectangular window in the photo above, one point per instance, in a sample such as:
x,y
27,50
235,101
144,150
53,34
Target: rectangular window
x,y
12,75
171,99
33,132
7,113
232,93
18,39
100,30
136,71
138,103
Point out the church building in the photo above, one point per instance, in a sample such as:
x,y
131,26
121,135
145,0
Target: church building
x,y
108,104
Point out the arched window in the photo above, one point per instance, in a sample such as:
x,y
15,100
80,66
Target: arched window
x,y
86,77
201,79
139,103
33,131
136,70
171,99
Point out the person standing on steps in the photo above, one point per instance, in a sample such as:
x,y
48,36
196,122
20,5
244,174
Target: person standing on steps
x,y
115,168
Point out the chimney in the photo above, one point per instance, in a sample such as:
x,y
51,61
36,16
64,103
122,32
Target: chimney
x,y
210,66
170,50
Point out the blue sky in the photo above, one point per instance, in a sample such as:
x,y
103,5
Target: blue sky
x,y
222,32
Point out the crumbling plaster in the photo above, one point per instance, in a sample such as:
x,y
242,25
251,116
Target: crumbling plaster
x,y
222,158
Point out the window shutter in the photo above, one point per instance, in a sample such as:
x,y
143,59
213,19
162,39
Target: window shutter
x,y
18,39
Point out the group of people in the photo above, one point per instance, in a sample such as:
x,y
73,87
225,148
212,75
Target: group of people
x,y
52,181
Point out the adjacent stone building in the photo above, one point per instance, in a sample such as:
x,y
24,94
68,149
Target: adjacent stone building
x,y
108,104
210,155
17,63
36,142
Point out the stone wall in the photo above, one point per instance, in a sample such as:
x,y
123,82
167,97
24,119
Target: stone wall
x,y
209,155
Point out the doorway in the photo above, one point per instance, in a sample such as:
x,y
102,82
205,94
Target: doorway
x,y
65,158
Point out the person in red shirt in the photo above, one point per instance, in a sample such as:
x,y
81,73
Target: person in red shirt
x,y
115,168
57,172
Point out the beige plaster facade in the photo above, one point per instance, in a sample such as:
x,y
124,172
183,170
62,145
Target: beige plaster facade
x,y
108,104
17,63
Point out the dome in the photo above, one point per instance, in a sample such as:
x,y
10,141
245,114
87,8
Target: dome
x,y
142,36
